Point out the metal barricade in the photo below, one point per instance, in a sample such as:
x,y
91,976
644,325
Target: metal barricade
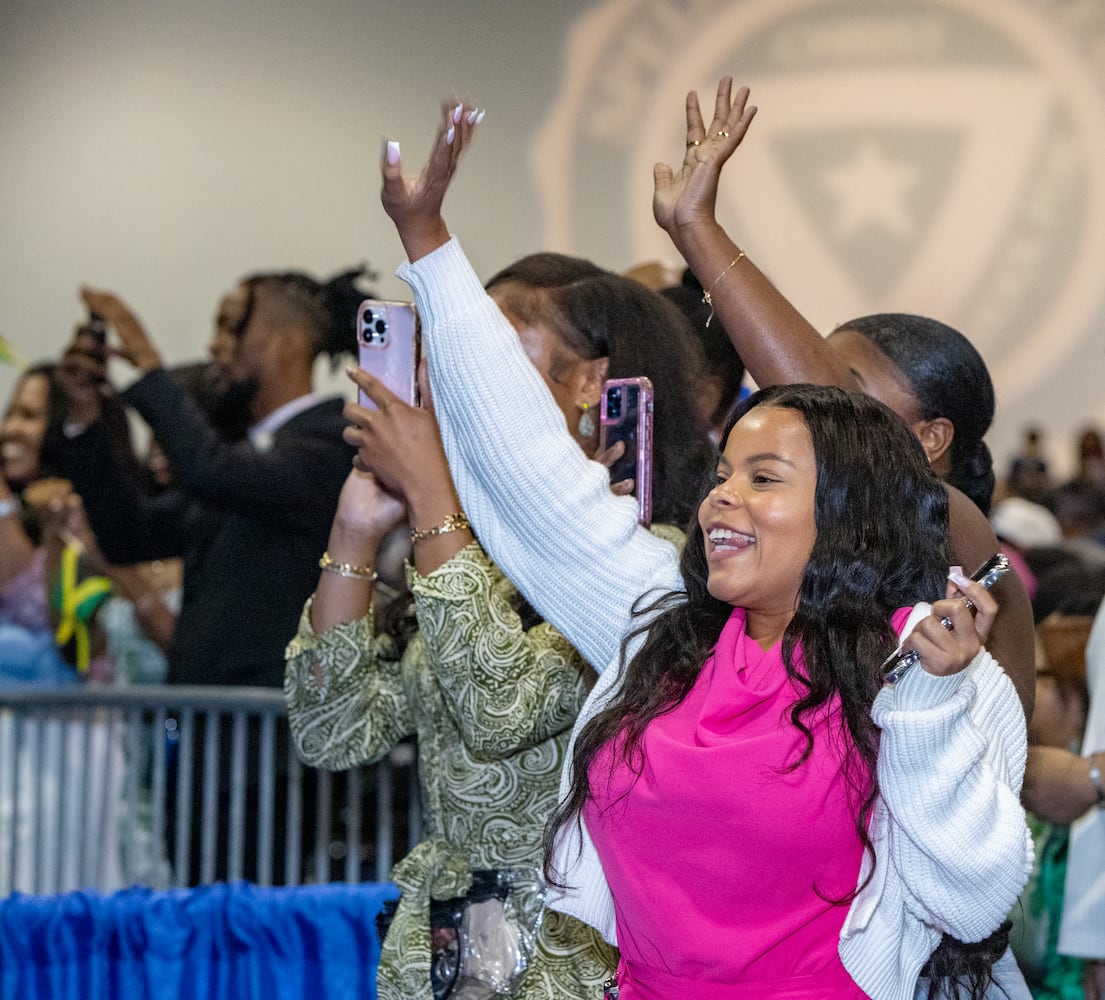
x,y
103,787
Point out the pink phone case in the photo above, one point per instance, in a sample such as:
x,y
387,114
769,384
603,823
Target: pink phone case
x,y
626,415
387,347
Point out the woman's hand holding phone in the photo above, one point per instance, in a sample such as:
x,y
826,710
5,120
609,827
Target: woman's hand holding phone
x,y
366,514
607,457
950,637
414,203
400,444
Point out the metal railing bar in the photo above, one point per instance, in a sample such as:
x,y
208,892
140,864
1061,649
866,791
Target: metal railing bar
x,y
294,847
182,859
237,833
210,793
265,823
78,765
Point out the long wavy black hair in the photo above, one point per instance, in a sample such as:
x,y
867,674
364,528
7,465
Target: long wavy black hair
x,y
881,521
948,378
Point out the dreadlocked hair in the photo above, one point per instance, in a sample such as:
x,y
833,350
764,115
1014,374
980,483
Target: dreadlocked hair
x,y
328,309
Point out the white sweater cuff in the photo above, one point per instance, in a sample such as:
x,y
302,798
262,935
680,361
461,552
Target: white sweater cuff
x,y
448,273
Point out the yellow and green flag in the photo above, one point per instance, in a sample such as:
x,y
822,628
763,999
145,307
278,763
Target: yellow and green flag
x,y
8,355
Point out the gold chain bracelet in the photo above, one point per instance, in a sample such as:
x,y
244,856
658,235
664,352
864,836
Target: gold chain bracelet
x,y
452,522
708,293
349,570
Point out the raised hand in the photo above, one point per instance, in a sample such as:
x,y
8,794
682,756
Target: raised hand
x,y
688,196
400,445
366,509
135,344
414,203
82,375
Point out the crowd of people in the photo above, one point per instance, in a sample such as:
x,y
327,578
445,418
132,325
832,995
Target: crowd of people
x,y
656,759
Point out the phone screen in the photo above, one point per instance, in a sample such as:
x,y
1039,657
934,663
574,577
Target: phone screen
x,y
626,416
623,405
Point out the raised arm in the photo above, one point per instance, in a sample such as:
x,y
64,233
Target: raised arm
x,y
350,697
775,342
507,686
291,483
779,346
541,509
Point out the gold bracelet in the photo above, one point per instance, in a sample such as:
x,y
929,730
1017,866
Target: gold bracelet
x,y
707,296
452,522
349,570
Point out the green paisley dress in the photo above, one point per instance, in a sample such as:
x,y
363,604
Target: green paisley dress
x,y
492,706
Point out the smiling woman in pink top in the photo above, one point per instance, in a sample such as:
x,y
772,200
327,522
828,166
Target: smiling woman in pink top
x,y
749,811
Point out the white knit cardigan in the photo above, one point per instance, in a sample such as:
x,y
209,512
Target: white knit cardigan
x,y
950,836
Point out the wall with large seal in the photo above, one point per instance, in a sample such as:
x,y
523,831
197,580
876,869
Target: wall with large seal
x,y
937,156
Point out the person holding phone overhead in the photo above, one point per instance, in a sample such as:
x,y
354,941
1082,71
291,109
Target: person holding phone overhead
x,y
248,517
747,812
490,689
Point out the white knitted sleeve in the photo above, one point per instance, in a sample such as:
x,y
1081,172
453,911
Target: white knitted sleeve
x,y
541,509
951,763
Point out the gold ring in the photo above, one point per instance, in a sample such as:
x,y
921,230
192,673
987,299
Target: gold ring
x,y
722,135
693,142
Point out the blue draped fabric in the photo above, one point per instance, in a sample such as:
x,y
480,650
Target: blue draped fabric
x,y
234,941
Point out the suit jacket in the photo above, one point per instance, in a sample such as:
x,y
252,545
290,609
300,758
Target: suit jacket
x,y
250,525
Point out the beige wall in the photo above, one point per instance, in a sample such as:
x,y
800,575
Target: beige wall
x,y
938,156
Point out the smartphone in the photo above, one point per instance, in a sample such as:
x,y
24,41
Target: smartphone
x,y
625,414
388,347
96,327
898,663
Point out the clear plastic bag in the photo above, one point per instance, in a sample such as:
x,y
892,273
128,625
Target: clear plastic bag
x,y
493,945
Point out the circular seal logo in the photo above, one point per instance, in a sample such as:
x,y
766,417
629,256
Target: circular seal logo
x,y
944,157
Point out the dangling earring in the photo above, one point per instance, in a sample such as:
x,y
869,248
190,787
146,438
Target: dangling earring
x,y
586,425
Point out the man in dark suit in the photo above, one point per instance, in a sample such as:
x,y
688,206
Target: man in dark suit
x,y
250,517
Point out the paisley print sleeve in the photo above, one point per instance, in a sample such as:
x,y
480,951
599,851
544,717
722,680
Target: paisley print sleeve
x,y
348,702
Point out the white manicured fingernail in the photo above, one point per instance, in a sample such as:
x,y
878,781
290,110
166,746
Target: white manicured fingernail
x,y
393,152
472,116
479,117
457,112
956,576
450,135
